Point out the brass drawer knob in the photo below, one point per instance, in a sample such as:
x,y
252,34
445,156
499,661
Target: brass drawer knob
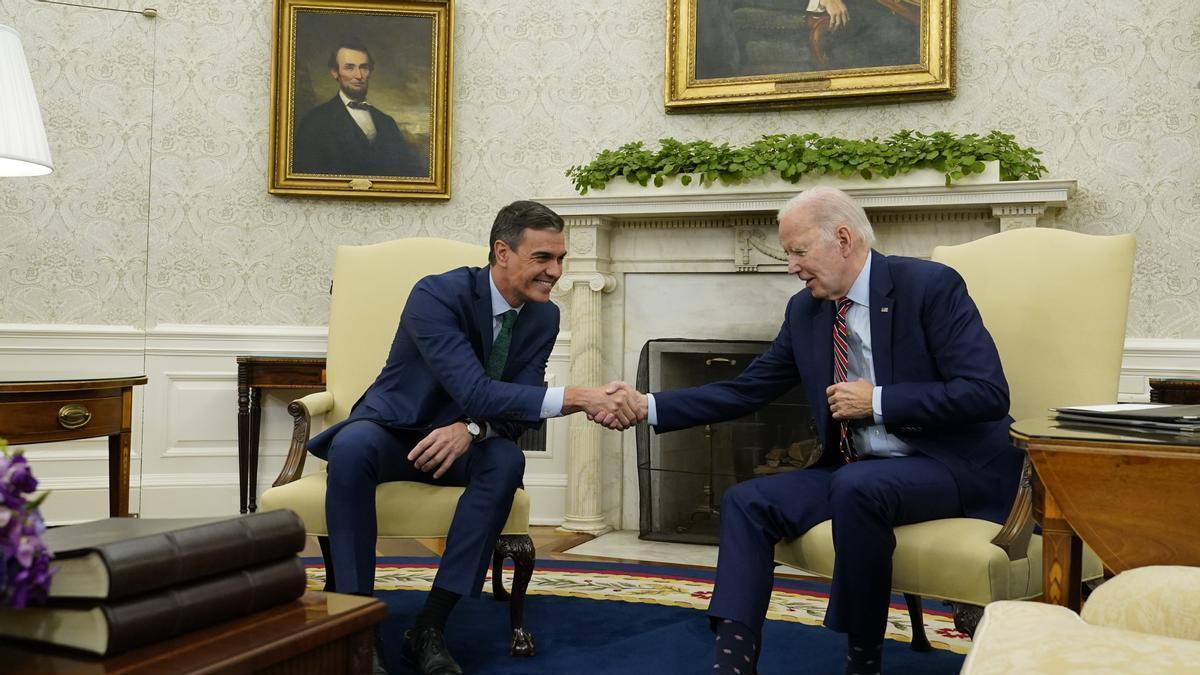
x,y
74,416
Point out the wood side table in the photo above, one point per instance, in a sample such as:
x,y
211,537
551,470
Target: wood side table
x,y
1127,493
255,373
43,410
325,633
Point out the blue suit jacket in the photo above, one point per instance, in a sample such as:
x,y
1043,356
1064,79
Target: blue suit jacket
x,y
944,391
434,372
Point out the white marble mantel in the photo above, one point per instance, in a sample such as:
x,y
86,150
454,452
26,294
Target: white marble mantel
x,y
628,230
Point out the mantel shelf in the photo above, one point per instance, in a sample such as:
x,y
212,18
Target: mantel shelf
x,y
652,201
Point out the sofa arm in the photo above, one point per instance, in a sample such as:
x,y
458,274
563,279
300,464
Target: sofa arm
x,y
302,410
1159,600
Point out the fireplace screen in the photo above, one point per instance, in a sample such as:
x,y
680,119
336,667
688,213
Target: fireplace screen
x,y
682,475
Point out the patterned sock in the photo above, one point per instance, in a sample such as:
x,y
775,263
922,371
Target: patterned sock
x,y
864,655
737,649
437,609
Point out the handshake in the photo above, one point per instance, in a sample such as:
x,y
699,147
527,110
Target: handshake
x,y
616,406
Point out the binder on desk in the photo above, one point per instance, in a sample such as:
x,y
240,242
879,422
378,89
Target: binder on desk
x,y
1180,419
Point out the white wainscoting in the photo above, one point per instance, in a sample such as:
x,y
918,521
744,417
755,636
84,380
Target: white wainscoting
x,y
185,417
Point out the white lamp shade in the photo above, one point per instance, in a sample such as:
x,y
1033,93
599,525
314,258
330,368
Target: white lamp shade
x,y
23,147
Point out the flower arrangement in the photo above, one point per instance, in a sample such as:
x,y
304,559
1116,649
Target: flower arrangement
x,y
24,560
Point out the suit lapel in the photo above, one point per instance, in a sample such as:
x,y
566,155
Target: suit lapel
x,y
522,330
822,342
881,319
483,313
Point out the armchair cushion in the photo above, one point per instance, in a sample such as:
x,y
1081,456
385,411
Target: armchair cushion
x,y
951,559
1034,638
1160,599
404,509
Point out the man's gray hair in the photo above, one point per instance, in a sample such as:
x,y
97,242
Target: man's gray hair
x,y
830,207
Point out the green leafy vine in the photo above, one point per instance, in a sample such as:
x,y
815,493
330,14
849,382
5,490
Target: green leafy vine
x,y
794,156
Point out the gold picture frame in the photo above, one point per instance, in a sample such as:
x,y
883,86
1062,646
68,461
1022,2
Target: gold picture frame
x,y
765,54
360,98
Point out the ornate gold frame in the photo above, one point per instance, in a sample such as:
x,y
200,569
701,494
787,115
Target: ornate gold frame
x,y
283,180
933,78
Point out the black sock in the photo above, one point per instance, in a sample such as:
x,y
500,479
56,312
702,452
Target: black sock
x,y
737,648
437,609
864,655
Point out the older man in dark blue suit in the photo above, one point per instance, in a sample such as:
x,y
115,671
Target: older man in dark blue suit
x,y
911,406
465,376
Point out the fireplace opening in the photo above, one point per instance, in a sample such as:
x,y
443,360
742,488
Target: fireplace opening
x,y
682,475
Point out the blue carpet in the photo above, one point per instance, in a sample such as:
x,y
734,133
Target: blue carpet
x,y
581,635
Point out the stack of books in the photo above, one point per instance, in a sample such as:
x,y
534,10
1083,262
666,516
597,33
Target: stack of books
x,y
123,583
1149,417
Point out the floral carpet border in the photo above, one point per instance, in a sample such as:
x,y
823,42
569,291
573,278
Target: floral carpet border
x,y
798,601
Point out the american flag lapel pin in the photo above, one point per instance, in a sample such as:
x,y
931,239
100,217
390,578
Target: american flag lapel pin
x,y
883,310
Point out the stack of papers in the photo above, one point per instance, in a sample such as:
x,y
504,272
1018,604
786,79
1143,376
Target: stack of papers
x,y
1179,419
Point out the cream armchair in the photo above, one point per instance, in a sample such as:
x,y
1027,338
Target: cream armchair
x,y
1055,302
1144,620
370,286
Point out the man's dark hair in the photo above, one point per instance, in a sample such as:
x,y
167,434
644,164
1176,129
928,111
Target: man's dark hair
x,y
349,43
514,219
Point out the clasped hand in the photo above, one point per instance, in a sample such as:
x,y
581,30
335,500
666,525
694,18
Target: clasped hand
x,y
616,406
623,406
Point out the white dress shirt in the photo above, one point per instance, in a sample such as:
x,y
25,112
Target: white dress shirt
x,y
362,117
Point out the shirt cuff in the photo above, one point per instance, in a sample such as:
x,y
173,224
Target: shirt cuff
x,y
552,402
651,410
877,404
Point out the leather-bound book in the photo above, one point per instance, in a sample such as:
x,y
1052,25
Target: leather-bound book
x,y
121,557
112,627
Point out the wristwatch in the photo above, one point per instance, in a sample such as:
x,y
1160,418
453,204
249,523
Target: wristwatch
x,y
475,429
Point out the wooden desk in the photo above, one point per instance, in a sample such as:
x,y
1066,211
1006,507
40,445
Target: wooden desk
x,y
319,633
254,374
41,411
1131,496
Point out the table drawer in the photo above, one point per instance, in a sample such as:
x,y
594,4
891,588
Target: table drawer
x,y
57,419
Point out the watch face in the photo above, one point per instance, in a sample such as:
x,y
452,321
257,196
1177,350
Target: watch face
x,y
473,429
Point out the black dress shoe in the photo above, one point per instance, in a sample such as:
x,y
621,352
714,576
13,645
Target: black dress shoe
x,y
425,650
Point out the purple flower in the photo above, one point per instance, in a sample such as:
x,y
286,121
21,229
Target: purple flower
x,y
24,560
20,477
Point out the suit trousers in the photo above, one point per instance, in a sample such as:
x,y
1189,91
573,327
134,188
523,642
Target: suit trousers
x,y
364,454
865,500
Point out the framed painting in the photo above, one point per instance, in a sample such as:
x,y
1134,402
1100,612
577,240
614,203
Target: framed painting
x,y
745,54
360,98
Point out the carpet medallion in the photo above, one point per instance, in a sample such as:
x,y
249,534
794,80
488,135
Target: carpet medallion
x,y
599,617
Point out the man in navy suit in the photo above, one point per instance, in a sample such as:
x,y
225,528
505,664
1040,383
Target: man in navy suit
x,y
348,136
465,376
923,403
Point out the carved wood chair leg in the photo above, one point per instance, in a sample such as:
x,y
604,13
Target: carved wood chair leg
x,y
920,643
327,556
966,617
498,591
519,547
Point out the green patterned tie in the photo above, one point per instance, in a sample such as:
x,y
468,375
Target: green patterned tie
x,y
499,355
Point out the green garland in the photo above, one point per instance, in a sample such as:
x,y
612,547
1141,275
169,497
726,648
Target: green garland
x,y
793,156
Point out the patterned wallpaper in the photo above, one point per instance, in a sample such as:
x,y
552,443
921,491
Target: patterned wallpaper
x,y
162,124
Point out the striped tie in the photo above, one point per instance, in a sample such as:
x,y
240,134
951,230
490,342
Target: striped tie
x,y
499,355
841,359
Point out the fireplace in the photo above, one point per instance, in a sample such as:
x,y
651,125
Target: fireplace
x,y
682,475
